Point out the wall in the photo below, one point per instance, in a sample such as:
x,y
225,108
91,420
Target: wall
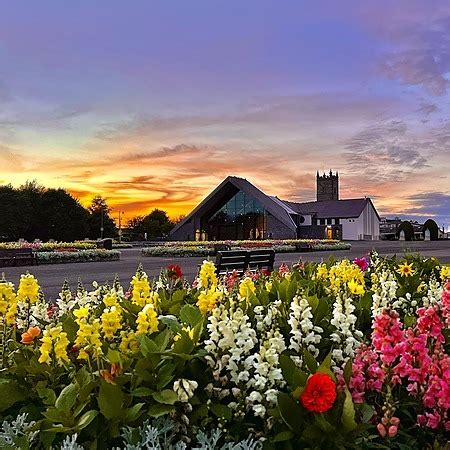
x,y
278,229
365,227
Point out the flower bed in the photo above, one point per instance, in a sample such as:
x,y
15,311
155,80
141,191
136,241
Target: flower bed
x,y
348,354
190,248
49,246
77,256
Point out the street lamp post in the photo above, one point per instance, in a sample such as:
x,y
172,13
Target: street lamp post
x,y
120,225
101,225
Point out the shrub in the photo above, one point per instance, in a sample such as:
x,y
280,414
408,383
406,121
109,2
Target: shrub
x,y
59,257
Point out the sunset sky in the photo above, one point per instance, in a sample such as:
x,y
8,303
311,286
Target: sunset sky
x,y
153,103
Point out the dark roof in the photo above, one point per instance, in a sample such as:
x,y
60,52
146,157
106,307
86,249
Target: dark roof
x,y
225,190
340,209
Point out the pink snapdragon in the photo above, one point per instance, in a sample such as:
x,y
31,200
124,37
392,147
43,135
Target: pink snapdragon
x,y
362,263
413,358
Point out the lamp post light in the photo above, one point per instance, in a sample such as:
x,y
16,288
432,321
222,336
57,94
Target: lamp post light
x,y
120,225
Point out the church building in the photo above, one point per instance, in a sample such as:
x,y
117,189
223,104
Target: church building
x,y
236,210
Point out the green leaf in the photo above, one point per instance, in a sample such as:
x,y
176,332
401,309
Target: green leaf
x,y
221,411
11,392
291,373
142,392
67,398
171,322
283,436
159,409
290,412
348,413
321,310
47,395
165,375
134,412
191,315
86,419
162,339
310,361
167,396
291,290
83,377
323,424
178,296
313,302
325,367
147,346
348,370
113,356
110,400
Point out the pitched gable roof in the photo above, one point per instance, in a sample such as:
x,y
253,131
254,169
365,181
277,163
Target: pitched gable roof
x,y
225,191
342,209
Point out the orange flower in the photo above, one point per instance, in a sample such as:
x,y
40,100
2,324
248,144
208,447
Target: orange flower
x,y
30,335
109,376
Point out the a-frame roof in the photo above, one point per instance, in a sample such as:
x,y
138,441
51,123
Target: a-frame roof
x,y
225,190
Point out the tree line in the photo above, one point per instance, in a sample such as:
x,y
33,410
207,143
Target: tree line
x,y
32,211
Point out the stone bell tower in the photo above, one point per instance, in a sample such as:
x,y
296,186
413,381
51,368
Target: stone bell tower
x,y
327,187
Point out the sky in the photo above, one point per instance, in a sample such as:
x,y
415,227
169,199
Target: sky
x,y
151,104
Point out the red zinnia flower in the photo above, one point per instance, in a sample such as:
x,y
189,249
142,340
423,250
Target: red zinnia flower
x,y
319,393
174,271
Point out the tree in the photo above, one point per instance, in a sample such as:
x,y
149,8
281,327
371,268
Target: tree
x,y
135,228
99,217
157,224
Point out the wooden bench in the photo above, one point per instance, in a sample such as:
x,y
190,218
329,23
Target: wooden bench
x,y
243,260
17,257
261,259
229,260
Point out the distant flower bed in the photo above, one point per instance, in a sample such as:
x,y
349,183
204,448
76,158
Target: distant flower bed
x,y
49,246
209,248
121,245
59,257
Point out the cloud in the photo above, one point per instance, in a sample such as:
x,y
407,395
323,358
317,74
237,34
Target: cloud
x,y
427,108
425,205
385,150
417,42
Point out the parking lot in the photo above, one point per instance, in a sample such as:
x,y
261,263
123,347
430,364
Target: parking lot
x,y
51,277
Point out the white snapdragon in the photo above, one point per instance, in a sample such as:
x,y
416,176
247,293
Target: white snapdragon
x,y
434,293
346,336
184,389
384,292
304,334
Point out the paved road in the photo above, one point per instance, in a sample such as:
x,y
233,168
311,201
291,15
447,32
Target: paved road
x,y
51,277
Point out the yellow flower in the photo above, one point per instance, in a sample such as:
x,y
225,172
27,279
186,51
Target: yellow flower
x,y
405,269
355,287
129,345
246,288
322,272
28,289
110,299
81,313
207,274
207,299
445,273
111,322
142,294
188,330
54,343
147,320
268,286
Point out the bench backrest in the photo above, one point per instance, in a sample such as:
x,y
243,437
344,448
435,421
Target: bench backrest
x,y
227,261
261,259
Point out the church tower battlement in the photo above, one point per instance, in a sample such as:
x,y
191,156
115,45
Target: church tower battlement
x,y
327,187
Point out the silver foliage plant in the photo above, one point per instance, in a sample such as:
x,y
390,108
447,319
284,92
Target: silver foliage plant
x,y
156,435
17,433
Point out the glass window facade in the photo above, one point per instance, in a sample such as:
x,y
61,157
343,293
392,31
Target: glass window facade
x,y
242,217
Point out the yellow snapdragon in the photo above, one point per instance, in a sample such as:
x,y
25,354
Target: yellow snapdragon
x,y
355,287
129,345
321,272
54,344
8,303
445,273
147,320
207,299
28,290
142,293
111,321
207,275
88,334
246,288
